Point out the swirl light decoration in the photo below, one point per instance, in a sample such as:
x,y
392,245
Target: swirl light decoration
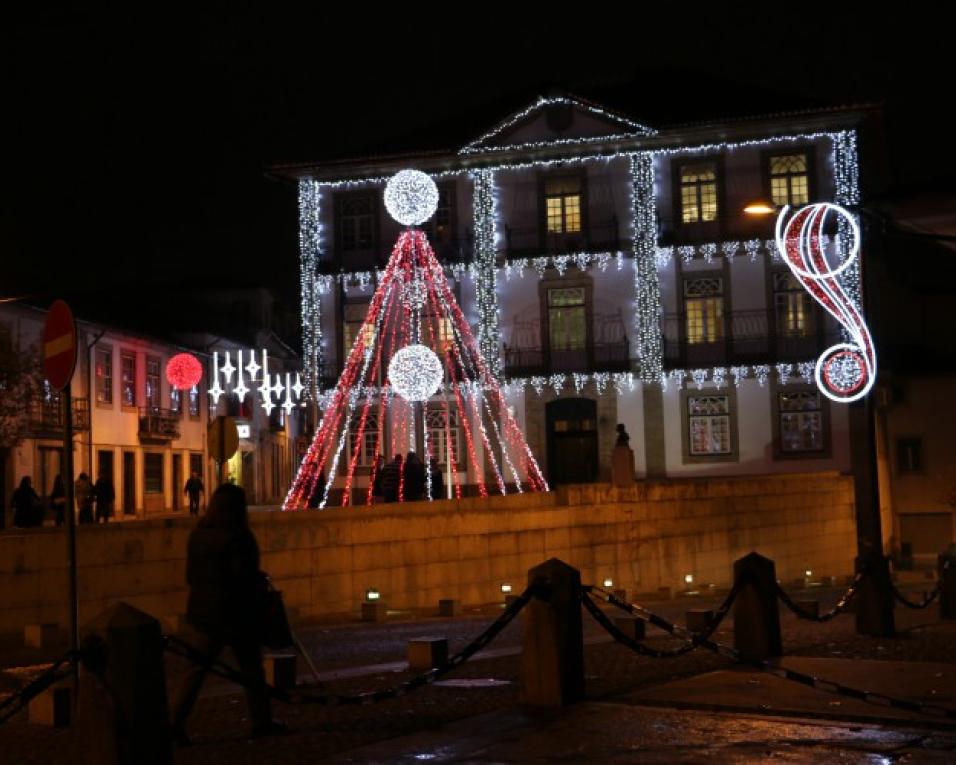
x,y
846,371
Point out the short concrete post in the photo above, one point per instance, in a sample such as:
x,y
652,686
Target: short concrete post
x,y
374,611
874,599
947,584
52,706
631,626
756,612
449,607
552,655
427,653
699,619
280,669
133,671
42,635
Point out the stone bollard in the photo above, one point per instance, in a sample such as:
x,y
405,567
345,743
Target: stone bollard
x,y
374,611
449,607
42,635
631,626
874,599
427,653
699,619
947,578
756,613
552,654
52,706
280,669
132,693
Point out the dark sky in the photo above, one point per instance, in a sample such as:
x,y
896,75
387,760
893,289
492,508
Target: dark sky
x,y
137,150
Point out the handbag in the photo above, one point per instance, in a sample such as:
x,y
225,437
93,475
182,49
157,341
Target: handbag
x,y
275,631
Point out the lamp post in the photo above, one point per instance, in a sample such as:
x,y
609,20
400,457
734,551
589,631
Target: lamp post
x,y
874,615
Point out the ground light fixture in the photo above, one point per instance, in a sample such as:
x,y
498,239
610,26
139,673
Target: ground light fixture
x,y
688,579
506,588
609,582
372,594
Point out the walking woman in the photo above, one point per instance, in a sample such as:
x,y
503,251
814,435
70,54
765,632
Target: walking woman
x,y
225,586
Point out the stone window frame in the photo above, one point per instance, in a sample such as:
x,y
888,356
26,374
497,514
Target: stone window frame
x,y
734,412
549,282
108,350
779,455
126,353
581,176
809,149
700,229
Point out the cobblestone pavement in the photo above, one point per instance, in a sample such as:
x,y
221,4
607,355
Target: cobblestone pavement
x,y
218,726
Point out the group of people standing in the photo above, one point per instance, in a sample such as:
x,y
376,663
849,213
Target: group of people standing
x,y
406,479
94,501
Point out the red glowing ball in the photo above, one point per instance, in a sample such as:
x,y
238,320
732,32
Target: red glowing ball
x,y
183,371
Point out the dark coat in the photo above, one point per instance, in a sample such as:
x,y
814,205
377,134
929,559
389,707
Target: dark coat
x,y
391,475
414,481
225,586
27,510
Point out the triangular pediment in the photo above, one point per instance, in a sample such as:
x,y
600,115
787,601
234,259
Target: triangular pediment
x,y
556,119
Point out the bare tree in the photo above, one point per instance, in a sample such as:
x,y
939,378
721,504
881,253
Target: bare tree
x,y
20,381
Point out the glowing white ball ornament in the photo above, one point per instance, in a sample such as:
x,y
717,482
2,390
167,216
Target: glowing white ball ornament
x,y
415,372
411,197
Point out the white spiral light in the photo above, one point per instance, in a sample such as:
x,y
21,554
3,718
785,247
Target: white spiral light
x,y
415,372
411,197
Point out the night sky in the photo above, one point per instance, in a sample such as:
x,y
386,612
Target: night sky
x,y
138,146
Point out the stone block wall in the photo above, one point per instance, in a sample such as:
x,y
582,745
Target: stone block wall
x,y
643,537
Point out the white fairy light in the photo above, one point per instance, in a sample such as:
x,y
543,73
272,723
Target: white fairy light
x,y
739,373
600,381
699,376
806,369
560,263
686,253
485,268
227,369
537,383
678,375
216,390
311,286
580,381
663,256
762,372
415,372
411,197
298,387
288,395
719,375
729,249
784,371
240,388
556,381
277,386
540,265
752,247
647,287
708,251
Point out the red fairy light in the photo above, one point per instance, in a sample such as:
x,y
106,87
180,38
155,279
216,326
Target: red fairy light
x,y
183,371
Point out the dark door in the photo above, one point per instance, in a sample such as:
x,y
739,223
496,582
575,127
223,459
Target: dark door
x,y
105,465
129,483
572,440
178,482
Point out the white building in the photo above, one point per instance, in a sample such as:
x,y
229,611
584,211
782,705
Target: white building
x,y
626,285
129,423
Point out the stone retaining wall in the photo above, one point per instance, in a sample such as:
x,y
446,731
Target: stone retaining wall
x,y
643,538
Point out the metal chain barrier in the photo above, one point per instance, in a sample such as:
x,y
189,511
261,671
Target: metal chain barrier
x,y
694,638
182,648
842,604
12,705
804,678
929,597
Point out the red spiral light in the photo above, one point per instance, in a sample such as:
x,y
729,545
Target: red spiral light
x,y
183,371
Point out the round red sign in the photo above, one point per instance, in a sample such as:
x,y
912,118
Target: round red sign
x,y
59,345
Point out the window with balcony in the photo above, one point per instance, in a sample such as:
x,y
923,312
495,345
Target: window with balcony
x,y
128,377
793,307
356,223
800,422
698,193
438,333
789,180
562,204
444,443
152,382
175,400
354,324
441,226
567,319
194,401
709,428
104,374
704,309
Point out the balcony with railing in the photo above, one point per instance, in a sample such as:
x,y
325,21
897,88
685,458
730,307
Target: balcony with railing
x,y
597,357
745,337
158,425
531,241
46,416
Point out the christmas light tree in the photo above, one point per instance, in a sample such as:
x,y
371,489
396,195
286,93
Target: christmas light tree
x,y
415,360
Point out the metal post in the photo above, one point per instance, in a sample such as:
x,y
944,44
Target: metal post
x,y
71,532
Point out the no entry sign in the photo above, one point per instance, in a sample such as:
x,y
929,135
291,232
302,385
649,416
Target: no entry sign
x,y
59,345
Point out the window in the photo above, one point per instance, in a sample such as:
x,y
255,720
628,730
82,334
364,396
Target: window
x,y
195,464
175,400
698,193
194,401
801,421
128,372
441,225
357,223
704,309
567,318
153,467
152,382
104,374
909,455
789,180
370,436
708,425
562,203
441,442
354,323
438,333
792,306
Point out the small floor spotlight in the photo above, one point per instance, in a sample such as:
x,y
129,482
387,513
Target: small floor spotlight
x,y
373,594
688,579
506,588
609,582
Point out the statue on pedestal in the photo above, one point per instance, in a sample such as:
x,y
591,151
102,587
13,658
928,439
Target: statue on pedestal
x,y
622,460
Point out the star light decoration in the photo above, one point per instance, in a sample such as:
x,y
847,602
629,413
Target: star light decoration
x,y
270,386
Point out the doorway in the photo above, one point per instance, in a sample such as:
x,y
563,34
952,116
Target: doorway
x,y
104,464
51,465
129,483
177,481
572,440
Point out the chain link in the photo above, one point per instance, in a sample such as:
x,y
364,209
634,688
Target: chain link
x,y
842,604
13,704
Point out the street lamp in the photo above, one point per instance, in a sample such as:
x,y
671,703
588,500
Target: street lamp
x,y
875,614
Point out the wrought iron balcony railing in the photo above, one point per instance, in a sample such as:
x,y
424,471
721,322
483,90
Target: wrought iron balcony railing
x,y
156,424
46,416
598,357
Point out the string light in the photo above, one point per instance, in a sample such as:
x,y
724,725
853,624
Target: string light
x,y
486,268
415,372
310,252
646,281
411,197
